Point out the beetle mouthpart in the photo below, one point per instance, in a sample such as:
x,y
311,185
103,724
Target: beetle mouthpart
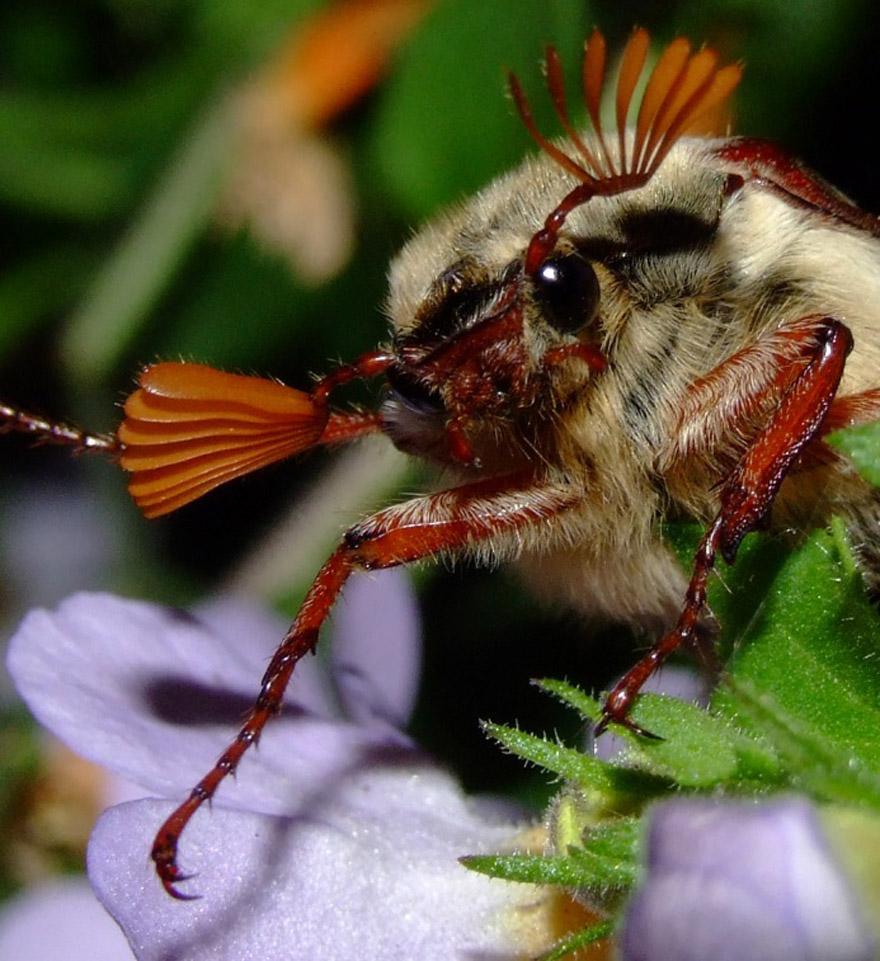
x,y
412,392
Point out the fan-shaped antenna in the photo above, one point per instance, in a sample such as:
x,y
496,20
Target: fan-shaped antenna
x,y
681,90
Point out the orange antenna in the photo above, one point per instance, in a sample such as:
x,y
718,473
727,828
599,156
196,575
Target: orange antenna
x,y
681,89
189,428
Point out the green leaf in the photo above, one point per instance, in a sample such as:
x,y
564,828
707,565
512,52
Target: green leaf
x,y
615,840
445,126
20,746
609,785
815,766
607,861
604,869
862,446
534,869
698,749
250,31
735,592
81,155
32,291
817,32
246,310
807,671
235,280
804,639
580,939
136,275
588,707
79,186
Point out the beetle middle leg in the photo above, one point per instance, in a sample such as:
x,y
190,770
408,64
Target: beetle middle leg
x,y
475,516
747,495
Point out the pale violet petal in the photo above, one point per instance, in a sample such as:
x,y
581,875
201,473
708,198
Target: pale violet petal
x,y
60,921
733,880
149,692
53,540
250,632
369,872
376,649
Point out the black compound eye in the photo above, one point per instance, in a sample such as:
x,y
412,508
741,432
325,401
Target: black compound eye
x,y
567,289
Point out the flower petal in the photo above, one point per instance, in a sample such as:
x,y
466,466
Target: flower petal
x,y
62,919
376,654
368,871
54,540
250,632
154,695
736,880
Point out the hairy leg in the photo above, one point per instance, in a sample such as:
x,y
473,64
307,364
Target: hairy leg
x,y
473,516
747,495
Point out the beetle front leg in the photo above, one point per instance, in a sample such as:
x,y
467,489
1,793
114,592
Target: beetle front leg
x,y
746,498
450,521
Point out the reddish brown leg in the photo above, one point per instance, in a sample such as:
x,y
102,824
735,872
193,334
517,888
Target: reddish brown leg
x,y
725,401
590,355
449,521
852,410
45,431
459,446
746,499
367,365
342,428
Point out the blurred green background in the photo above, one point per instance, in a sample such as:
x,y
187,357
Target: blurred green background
x,y
122,134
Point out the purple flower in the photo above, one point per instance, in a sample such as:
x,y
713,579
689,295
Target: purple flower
x,y
340,838
60,919
733,880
